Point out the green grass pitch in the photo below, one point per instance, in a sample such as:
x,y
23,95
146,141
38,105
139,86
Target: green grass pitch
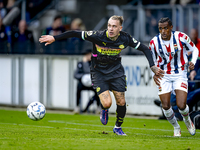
x,y
67,131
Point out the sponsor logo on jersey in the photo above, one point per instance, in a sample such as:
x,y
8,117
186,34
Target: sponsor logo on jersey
x,y
107,50
184,85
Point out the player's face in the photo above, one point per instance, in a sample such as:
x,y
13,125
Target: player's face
x,y
165,30
114,28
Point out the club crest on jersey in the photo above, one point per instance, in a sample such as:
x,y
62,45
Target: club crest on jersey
x,y
89,33
121,46
175,47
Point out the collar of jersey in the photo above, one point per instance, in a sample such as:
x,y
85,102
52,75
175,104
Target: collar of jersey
x,y
108,36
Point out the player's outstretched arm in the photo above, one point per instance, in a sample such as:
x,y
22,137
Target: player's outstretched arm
x,y
47,39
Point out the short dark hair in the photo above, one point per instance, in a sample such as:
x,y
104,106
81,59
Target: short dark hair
x,y
166,19
57,17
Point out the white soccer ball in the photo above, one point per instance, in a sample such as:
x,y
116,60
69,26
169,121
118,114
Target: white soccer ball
x,y
36,111
86,80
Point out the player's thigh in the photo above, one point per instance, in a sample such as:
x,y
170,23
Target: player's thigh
x,y
120,98
165,100
105,99
181,99
102,90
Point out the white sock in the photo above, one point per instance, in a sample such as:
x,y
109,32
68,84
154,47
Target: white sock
x,y
117,127
169,114
185,112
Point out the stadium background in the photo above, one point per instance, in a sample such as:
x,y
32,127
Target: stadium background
x,y
48,76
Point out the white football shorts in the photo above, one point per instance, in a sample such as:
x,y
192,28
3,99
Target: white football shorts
x,y
171,82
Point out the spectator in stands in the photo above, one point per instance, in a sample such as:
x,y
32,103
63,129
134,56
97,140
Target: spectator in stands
x,y
22,39
57,26
82,74
195,39
35,6
10,5
55,29
75,45
151,24
3,38
2,9
195,74
181,2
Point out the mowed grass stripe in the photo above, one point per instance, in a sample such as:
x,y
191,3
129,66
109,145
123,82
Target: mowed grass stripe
x,y
72,132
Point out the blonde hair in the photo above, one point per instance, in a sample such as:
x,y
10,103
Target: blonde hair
x,y
77,23
120,18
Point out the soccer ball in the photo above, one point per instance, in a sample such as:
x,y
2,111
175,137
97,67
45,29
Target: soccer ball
x,y
36,111
86,80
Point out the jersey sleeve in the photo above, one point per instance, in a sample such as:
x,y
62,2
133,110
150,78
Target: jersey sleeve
x,y
191,47
89,35
153,51
68,34
133,43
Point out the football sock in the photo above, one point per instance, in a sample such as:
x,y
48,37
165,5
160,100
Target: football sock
x,y
120,114
88,105
169,114
185,112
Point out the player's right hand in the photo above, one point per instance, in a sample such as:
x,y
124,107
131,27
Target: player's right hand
x,y
156,79
47,39
159,72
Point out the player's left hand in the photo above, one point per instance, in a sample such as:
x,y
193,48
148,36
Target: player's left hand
x,y
191,65
159,72
157,79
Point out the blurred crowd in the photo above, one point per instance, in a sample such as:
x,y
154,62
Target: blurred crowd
x,y
15,38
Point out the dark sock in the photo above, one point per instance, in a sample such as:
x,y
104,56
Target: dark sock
x,y
88,105
120,114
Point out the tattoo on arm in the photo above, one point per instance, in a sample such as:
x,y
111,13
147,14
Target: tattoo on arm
x,y
154,69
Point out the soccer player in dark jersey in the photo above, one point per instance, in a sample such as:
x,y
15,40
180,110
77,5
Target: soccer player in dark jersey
x,y
107,72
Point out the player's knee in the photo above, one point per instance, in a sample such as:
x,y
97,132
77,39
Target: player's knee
x,y
166,106
121,103
107,104
182,106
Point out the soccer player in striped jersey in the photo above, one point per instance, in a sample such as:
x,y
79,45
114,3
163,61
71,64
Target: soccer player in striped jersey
x,y
107,72
169,50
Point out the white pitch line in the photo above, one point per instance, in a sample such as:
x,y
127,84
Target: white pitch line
x,y
27,125
55,121
99,130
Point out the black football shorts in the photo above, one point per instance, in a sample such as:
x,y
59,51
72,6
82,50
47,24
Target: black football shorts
x,y
116,84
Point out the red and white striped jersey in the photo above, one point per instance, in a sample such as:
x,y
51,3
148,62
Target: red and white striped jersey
x,y
172,57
